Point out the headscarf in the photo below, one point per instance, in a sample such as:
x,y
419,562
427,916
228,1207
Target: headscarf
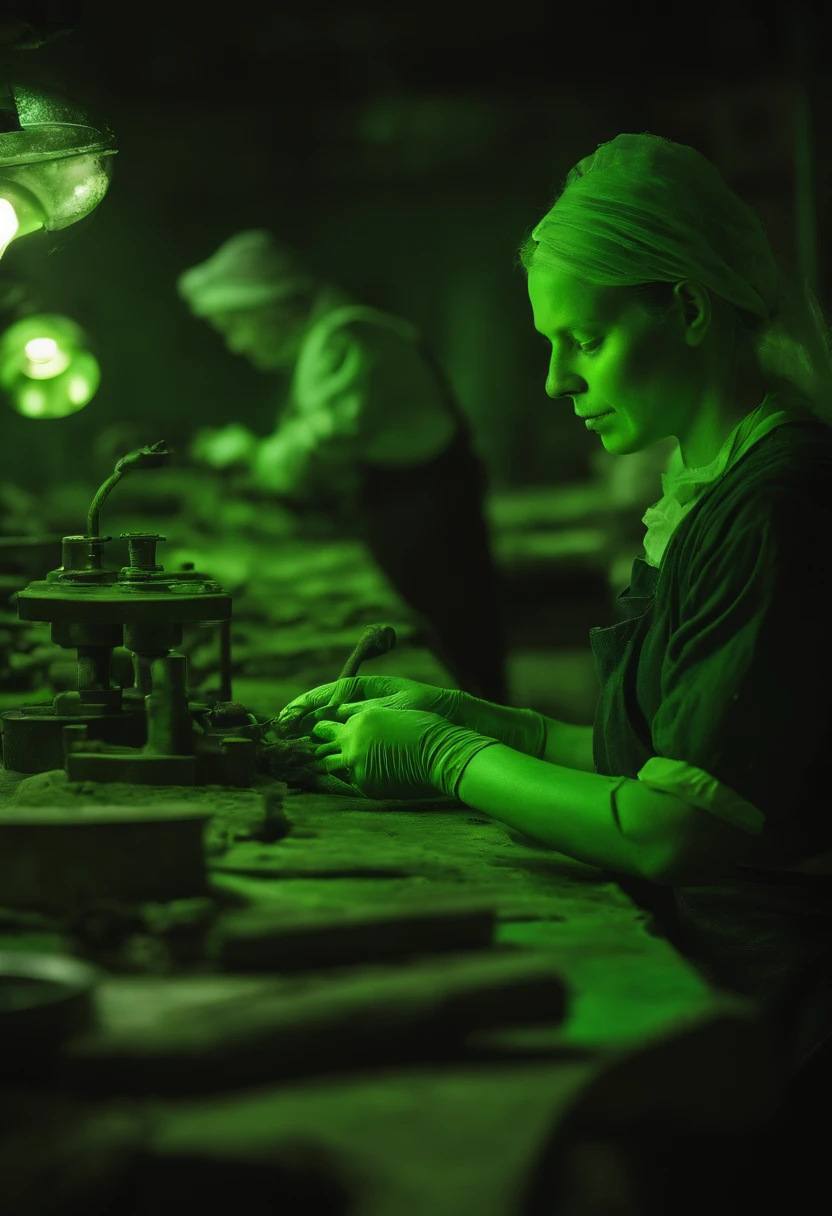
x,y
644,209
249,270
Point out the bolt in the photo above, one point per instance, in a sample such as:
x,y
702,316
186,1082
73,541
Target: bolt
x,y
141,547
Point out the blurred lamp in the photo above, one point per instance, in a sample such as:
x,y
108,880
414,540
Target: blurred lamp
x,y
46,366
55,161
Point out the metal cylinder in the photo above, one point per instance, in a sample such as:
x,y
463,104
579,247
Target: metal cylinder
x,y
72,635
72,737
142,673
141,548
225,661
239,761
82,560
148,644
94,683
94,667
154,639
170,727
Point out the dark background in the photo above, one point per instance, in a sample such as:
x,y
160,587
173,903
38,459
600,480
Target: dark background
x,y
406,151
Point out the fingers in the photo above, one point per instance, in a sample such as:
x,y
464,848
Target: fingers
x,y
325,730
332,764
327,784
298,715
336,713
327,749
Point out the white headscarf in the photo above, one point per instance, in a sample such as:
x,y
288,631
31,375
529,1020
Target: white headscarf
x,y
249,270
644,209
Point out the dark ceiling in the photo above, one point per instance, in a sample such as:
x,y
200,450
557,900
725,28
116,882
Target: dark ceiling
x,y
347,52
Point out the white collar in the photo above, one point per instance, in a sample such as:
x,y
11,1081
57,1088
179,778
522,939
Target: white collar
x,y
680,491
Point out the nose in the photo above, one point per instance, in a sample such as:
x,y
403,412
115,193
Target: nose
x,y
562,386
561,382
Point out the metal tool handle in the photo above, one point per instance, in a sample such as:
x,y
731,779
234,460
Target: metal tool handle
x,y
375,640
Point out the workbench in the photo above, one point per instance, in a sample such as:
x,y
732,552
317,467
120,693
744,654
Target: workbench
x,y
642,1039
372,1087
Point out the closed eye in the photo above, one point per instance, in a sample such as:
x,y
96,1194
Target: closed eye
x,y
586,348
589,348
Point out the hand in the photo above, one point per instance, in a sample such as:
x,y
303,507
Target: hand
x,y
387,753
340,701
524,730
223,447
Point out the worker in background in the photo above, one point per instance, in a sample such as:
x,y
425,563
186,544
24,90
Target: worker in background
x,y
371,430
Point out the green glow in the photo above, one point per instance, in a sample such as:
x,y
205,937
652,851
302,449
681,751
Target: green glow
x,y
9,224
45,358
45,367
80,390
32,402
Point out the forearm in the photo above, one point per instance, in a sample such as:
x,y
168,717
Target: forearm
x,y
568,810
568,745
527,731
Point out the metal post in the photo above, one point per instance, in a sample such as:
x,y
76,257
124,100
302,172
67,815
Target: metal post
x,y
225,661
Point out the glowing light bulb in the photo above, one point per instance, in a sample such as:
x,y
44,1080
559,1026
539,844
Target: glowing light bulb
x,y
45,358
9,224
41,350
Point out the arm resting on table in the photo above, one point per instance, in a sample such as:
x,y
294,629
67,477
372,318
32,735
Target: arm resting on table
x,y
648,834
568,745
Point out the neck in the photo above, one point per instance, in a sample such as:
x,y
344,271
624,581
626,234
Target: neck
x,y
715,421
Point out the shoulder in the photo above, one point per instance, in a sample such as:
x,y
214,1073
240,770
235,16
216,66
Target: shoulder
x,y
355,345
788,472
357,324
774,505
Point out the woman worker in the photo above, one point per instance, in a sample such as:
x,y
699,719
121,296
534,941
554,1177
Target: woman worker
x,y
371,432
705,774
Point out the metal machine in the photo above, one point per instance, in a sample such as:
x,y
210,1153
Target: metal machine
x,y
151,733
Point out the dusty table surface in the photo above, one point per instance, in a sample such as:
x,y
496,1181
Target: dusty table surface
x,y
643,1033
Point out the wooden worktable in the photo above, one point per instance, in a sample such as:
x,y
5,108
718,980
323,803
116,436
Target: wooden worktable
x,y
643,1039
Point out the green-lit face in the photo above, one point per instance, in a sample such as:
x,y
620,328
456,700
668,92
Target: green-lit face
x,y
608,356
269,336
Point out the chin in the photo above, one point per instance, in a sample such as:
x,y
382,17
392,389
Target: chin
x,y
624,445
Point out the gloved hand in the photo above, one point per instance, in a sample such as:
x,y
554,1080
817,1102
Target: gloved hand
x,y
387,753
224,447
521,729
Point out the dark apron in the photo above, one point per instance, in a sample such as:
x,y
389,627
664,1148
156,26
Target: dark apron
x,y
426,527
765,935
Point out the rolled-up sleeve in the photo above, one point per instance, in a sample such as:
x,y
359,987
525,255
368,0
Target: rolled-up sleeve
x,y
744,716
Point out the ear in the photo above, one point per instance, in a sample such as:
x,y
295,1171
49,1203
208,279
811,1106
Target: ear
x,y
695,309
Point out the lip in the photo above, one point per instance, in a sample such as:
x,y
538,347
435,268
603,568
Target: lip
x,y
585,417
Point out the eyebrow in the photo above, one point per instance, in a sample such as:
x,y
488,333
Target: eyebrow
x,y
570,329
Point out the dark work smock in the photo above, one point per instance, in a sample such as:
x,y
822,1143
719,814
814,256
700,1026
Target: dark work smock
x,y
359,370
427,528
721,661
